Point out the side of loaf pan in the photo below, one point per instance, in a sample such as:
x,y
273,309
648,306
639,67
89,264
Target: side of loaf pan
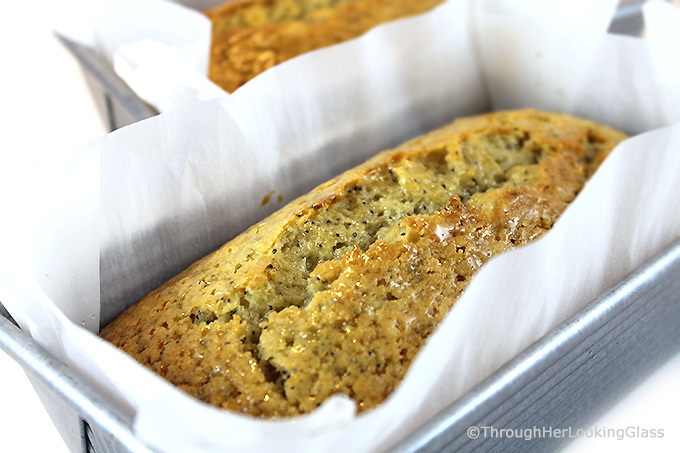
x,y
561,382
88,422
119,105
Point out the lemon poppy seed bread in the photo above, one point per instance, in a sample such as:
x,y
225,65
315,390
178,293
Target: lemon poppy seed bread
x,y
338,291
251,36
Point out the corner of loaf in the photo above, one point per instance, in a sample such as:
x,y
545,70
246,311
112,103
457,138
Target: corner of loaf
x,y
337,292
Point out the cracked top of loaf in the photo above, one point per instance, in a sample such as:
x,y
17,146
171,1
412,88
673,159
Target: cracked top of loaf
x,y
337,291
251,36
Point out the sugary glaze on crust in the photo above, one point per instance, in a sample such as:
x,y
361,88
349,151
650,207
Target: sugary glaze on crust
x,y
251,36
338,291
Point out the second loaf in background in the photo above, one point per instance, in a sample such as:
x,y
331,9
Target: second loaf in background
x,y
337,292
251,36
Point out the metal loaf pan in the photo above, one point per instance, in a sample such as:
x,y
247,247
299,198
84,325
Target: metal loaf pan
x,y
117,104
562,381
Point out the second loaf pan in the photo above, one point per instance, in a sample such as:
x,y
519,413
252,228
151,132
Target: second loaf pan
x,y
119,105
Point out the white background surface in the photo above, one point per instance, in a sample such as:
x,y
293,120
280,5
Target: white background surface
x,y
45,103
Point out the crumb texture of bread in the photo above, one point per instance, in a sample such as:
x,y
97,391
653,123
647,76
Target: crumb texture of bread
x,y
251,36
337,292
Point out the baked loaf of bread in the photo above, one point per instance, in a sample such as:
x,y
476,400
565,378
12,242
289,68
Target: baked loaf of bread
x,y
338,291
250,36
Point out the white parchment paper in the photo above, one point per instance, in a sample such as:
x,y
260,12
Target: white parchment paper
x,y
174,187
161,47
662,19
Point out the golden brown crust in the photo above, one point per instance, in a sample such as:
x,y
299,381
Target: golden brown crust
x,y
337,291
251,36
